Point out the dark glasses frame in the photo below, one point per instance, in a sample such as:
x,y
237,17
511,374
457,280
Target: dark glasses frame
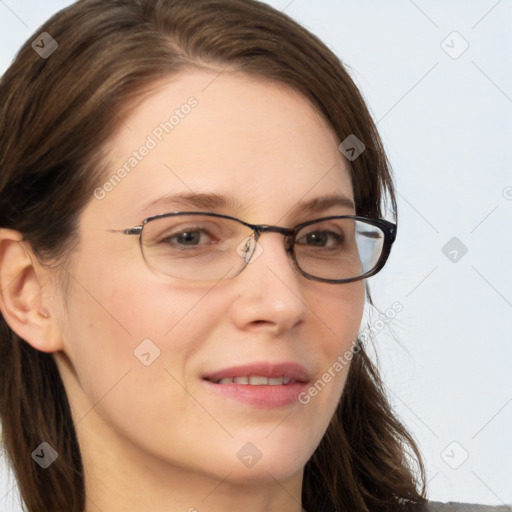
x,y
388,228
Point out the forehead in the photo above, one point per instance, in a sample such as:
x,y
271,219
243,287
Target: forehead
x,y
256,141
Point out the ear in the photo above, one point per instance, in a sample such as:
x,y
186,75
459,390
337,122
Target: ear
x,y
22,280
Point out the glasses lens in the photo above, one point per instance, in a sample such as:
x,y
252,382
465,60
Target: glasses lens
x,y
339,248
195,247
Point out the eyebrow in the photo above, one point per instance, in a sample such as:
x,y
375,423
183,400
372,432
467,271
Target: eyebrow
x,y
212,201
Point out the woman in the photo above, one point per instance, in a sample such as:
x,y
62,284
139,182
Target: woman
x,y
160,350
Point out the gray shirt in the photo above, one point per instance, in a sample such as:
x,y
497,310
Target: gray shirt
x,y
435,506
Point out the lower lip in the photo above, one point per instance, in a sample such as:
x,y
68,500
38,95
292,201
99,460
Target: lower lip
x,y
260,396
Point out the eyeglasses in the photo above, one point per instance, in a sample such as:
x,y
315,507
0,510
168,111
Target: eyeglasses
x,y
205,246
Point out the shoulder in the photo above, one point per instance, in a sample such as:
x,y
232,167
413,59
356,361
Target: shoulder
x,y
435,506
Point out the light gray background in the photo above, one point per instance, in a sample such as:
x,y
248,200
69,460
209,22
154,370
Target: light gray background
x,y
447,126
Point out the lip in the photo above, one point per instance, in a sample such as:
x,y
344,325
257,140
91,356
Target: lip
x,y
292,370
264,396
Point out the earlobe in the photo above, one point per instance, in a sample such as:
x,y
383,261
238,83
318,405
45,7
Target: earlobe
x,y
21,297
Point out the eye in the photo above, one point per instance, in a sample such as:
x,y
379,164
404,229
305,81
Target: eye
x,y
187,237
321,238
191,236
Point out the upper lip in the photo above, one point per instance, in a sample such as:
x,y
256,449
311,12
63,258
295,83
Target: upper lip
x,y
294,371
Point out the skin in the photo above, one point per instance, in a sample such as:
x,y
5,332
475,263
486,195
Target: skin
x,y
153,438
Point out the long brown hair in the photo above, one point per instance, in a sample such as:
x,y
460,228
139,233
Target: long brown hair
x,y
57,111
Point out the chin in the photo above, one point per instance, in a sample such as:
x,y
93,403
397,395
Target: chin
x,y
274,456
274,469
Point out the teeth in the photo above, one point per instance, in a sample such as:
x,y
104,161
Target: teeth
x,y
256,380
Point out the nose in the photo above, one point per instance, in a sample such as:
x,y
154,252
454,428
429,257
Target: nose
x,y
270,289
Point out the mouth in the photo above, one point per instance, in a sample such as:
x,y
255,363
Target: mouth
x,y
262,384
256,380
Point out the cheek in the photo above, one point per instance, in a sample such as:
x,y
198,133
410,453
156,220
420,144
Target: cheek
x,y
124,321
341,310
130,342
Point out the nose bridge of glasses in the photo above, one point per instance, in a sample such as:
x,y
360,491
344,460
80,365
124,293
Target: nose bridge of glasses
x,y
288,233
251,251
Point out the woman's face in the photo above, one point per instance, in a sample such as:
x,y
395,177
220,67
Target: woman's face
x,y
140,348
